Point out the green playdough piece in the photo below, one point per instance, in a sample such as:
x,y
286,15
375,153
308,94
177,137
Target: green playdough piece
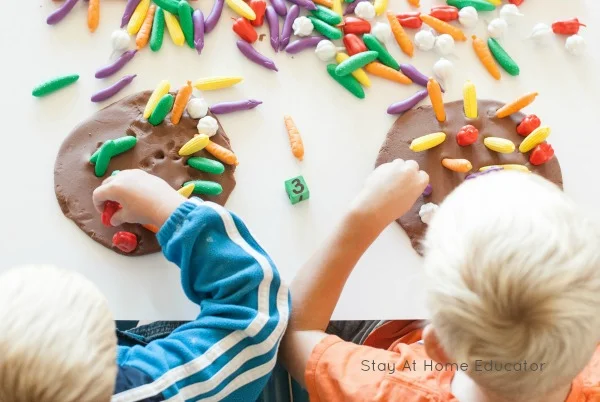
x,y
479,5
106,152
114,173
205,187
122,144
383,55
162,109
505,61
355,62
171,6
54,85
186,22
206,165
158,30
347,81
326,15
325,29
297,190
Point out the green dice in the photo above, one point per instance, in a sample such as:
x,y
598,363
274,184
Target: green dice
x,y
297,190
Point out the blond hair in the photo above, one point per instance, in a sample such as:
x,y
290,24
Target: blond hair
x,y
57,338
514,272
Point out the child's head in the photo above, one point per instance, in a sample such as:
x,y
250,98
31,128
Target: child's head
x,y
57,337
514,272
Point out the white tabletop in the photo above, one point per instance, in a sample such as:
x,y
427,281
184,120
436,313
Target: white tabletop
x,y
342,136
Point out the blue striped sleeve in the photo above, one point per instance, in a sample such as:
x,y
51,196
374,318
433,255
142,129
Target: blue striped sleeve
x,y
228,352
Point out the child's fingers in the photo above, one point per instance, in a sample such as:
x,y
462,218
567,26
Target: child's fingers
x,y
411,165
423,178
101,195
120,217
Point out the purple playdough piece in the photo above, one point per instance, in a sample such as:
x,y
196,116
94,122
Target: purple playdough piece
x,y
253,55
308,4
198,18
286,31
129,9
61,12
211,21
279,7
117,65
415,75
428,190
407,104
273,22
229,107
113,89
352,6
478,174
301,44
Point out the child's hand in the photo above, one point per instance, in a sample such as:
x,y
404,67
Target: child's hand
x,y
390,191
144,198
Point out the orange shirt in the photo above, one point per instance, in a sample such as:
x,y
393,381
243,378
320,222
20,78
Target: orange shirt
x,y
340,371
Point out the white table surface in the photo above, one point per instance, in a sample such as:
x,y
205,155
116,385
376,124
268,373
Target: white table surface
x,y
342,136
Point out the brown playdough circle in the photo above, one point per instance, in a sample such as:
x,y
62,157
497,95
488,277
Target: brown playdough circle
x,y
156,152
422,121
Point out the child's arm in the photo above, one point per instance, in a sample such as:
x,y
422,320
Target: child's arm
x,y
389,192
231,348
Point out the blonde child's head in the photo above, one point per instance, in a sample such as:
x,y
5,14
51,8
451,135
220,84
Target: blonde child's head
x,y
514,272
57,338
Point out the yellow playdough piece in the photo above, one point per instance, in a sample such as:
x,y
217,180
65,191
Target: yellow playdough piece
x,y
501,145
212,83
242,9
174,29
337,7
470,100
520,168
427,142
538,136
359,74
198,143
380,6
138,17
161,90
187,190
497,3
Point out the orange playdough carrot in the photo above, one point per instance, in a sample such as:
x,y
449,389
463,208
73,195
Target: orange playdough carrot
x,y
181,100
295,138
516,105
437,102
386,72
221,153
93,14
414,3
325,3
400,34
443,27
152,228
485,56
457,165
143,35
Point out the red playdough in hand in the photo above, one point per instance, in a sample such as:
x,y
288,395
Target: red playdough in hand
x,y
110,208
125,241
467,135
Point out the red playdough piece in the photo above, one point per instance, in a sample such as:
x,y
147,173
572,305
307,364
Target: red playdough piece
x,y
259,7
567,27
354,44
444,13
110,208
528,124
410,20
245,30
356,25
125,241
541,154
467,135
516,2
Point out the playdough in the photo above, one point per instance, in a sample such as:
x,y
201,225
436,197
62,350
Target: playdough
x,y
156,152
421,121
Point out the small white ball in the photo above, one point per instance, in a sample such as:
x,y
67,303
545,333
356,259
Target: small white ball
x,y
444,44
427,211
510,13
197,108
443,69
208,125
425,40
497,28
468,17
302,26
120,40
541,34
575,45
326,50
365,10
381,31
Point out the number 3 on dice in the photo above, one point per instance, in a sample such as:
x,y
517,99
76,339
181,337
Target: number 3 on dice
x,y
297,190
